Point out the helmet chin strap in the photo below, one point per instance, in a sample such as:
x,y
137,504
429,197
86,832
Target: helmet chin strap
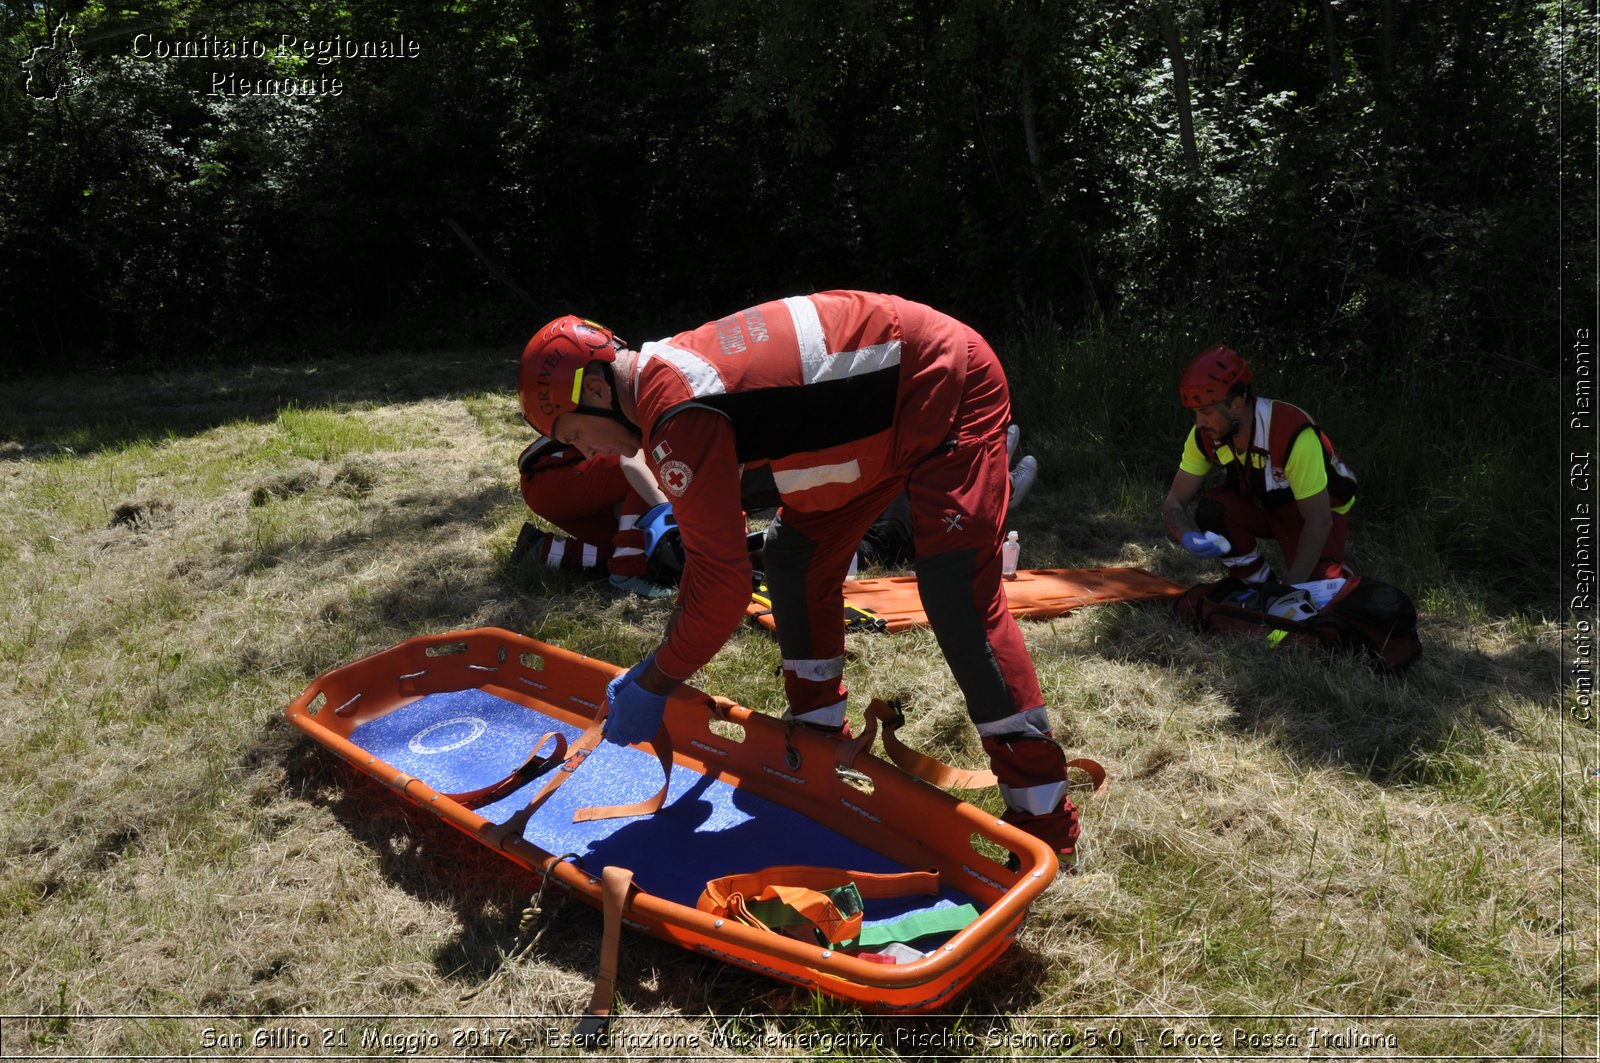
x,y
1224,441
606,411
1235,424
614,411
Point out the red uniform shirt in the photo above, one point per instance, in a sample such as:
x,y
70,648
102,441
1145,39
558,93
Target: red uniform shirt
x,y
809,402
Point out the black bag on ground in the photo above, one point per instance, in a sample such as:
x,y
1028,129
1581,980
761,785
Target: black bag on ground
x,y
1367,614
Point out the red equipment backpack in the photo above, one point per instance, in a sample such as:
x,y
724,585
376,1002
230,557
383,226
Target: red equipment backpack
x,y
1367,614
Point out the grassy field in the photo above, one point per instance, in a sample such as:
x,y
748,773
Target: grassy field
x,y
1297,856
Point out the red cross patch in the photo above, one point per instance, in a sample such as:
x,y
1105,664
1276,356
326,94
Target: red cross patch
x,y
676,477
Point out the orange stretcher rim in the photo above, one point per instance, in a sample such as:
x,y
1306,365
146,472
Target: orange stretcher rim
x,y
571,687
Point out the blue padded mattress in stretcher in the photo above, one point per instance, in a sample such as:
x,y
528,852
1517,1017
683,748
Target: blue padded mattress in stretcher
x,y
464,740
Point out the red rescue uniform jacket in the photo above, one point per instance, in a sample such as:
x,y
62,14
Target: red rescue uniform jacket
x,y
807,402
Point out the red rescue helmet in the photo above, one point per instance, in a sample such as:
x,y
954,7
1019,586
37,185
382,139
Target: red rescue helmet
x,y
550,380
1216,375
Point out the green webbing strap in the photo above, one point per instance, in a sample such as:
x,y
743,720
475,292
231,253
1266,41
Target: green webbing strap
x,y
776,914
918,924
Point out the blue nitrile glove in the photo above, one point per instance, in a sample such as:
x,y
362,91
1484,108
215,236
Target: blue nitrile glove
x,y
1200,546
636,713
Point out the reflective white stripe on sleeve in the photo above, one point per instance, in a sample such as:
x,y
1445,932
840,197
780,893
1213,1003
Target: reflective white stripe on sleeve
x,y
558,548
788,481
626,551
817,364
699,374
1035,800
627,522
591,555
853,363
817,671
807,330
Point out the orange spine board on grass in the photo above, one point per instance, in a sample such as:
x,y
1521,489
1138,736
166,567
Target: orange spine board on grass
x,y
1036,593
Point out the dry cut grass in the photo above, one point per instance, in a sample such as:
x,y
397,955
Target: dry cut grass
x,y
1298,856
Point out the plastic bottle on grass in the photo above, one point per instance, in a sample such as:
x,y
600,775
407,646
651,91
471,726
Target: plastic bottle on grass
x,y
1010,551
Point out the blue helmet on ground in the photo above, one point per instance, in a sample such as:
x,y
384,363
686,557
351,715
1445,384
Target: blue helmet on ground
x,y
663,544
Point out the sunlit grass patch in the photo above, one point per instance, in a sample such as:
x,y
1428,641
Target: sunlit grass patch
x,y
1284,832
322,434
498,414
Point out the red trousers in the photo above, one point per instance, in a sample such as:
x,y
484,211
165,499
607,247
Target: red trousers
x,y
1242,522
593,503
958,496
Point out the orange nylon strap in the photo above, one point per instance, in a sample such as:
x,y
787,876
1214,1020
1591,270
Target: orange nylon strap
x,y
845,751
577,753
721,707
921,765
616,884
530,770
1096,773
663,747
934,771
720,891
818,910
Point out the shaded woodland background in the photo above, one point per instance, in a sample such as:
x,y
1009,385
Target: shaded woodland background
x,y
1379,196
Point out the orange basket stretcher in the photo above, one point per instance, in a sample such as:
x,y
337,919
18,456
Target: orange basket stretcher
x,y
475,726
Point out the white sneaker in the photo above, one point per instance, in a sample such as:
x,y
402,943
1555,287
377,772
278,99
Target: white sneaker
x,y
1022,478
1013,434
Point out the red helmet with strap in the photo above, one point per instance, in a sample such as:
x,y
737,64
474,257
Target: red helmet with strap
x,y
550,380
1216,375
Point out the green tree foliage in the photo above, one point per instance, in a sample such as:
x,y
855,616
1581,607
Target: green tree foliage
x,y
1365,185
